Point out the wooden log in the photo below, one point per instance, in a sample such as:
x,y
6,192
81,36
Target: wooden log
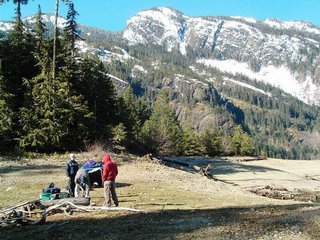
x,y
150,157
120,209
205,171
19,205
75,201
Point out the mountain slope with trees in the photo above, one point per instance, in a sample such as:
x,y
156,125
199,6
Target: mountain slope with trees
x,y
55,98
209,112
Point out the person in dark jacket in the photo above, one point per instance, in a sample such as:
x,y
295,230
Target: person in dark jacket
x,y
110,172
71,171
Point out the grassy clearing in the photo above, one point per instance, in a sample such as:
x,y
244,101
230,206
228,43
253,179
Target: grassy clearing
x,y
178,205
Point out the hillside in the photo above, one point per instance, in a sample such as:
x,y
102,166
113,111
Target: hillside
x,y
178,204
221,72
260,74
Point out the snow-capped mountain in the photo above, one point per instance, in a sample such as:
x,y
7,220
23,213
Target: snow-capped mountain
x,y
284,54
48,19
5,26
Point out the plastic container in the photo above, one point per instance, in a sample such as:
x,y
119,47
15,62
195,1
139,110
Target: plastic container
x,y
45,196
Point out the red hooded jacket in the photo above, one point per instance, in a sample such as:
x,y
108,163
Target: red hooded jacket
x,y
110,169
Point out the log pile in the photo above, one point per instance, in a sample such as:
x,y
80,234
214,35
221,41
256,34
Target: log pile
x,y
35,212
285,194
27,213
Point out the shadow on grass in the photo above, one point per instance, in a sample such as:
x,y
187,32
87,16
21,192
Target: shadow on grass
x,y
168,224
220,166
44,167
119,185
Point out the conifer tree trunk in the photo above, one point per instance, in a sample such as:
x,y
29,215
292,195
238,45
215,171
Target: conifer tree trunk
x,y
19,10
55,40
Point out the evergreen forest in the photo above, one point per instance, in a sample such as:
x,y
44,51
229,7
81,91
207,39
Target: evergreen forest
x,y
55,98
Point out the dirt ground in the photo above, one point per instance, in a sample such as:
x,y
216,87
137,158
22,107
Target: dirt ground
x,y
266,199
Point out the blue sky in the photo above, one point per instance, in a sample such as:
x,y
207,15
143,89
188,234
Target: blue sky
x,y
112,15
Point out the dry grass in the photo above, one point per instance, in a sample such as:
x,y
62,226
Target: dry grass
x,y
178,205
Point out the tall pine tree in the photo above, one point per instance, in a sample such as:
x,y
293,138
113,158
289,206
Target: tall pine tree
x,y
55,38
42,127
100,95
130,117
211,139
162,133
192,144
17,64
76,109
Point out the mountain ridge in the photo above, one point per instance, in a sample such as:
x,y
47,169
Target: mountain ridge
x,y
227,38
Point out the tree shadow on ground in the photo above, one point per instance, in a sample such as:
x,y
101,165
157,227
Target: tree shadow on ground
x,y
225,223
45,167
220,166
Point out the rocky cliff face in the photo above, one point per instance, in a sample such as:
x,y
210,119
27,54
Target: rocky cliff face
x,y
284,54
202,97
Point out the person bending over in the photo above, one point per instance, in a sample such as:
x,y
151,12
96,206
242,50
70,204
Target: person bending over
x,y
82,182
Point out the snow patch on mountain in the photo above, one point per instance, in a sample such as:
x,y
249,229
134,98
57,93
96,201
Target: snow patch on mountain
x,y
104,55
280,77
182,48
47,18
83,46
246,19
115,54
297,25
247,86
140,69
117,79
239,27
6,26
190,80
198,71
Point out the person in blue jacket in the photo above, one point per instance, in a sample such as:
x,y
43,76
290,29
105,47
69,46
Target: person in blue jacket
x,y
71,171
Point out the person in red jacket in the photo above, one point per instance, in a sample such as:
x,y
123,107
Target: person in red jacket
x,y
110,172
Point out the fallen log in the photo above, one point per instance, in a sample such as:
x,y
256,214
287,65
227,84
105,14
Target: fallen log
x,y
22,214
19,205
75,201
205,171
